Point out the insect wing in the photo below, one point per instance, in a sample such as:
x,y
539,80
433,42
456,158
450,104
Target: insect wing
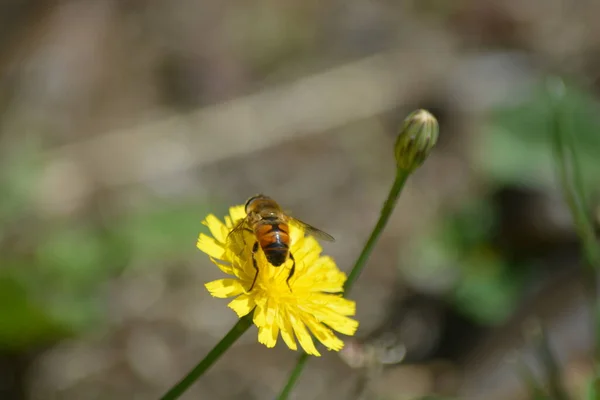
x,y
311,230
235,238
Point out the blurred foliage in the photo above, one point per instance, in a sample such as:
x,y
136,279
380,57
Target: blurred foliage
x,y
592,391
456,259
436,398
471,274
163,231
515,146
19,172
53,279
24,323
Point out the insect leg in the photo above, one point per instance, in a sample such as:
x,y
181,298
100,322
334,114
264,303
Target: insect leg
x,y
254,250
292,270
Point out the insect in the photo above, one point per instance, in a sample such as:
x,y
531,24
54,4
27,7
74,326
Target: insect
x,y
270,226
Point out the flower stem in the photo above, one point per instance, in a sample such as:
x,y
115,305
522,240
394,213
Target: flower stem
x,y
359,265
302,359
570,177
234,334
572,184
386,212
552,367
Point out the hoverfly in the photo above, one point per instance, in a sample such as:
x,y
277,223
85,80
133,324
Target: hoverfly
x,y
270,226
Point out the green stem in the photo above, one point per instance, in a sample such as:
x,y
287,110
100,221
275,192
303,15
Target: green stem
x,y
552,367
570,176
536,391
573,188
234,334
293,378
386,212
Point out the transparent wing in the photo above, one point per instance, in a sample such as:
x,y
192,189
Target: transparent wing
x,y
235,238
311,230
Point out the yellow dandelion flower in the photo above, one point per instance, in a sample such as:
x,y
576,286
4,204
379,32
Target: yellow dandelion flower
x,y
313,305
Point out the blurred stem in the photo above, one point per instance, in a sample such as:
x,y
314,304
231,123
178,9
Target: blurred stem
x,y
592,390
293,378
572,183
553,372
234,334
385,214
386,211
536,392
571,180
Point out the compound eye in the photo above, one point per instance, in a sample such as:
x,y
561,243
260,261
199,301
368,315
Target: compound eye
x,y
250,200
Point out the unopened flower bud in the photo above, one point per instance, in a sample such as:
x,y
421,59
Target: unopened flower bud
x,y
418,136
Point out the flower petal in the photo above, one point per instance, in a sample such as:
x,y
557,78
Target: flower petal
x,y
287,332
223,288
216,227
268,334
210,246
296,233
242,305
311,309
338,304
340,323
322,333
228,269
322,276
237,213
303,336
260,314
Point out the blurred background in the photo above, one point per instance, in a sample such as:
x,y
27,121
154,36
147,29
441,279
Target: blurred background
x,y
123,123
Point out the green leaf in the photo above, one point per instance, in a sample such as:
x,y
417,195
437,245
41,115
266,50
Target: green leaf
x,y
22,322
515,149
592,391
487,292
20,165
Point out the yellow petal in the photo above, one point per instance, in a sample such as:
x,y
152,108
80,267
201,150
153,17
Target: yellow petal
x,y
297,242
296,233
216,227
331,310
303,336
322,333
323,266
237,213
210,246
242,305
333,303
228,269
260,313
324,287
310,308
341,305
340,323
245,271
287,332
223,288
310,259
322,282
267,335
266,312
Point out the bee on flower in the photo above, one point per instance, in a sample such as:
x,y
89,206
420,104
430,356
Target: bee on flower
x,y
278,273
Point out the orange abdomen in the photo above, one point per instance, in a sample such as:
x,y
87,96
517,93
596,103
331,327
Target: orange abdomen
x,y
274,240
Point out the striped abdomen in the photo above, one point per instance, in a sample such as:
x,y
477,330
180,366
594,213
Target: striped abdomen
x,y
274,240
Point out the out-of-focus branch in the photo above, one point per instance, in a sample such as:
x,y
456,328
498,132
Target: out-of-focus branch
x,y
310,105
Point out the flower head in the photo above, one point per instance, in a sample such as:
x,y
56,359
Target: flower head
x,y
414,143
310,304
